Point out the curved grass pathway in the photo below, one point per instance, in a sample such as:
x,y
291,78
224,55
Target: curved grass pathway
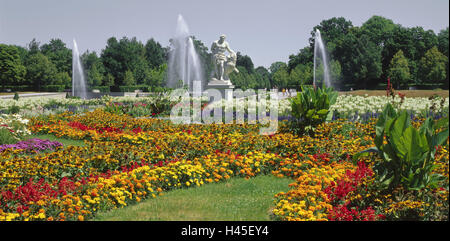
x,y
238,199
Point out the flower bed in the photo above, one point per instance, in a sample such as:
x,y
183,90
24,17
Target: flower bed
x,y
126,160
33,145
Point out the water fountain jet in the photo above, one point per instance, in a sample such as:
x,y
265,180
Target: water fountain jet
x,y
78,81
320,47
184,62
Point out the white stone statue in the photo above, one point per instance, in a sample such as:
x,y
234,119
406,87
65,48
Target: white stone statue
x,y
223,65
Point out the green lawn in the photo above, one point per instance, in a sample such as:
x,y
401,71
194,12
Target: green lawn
x,y
64,141
238,199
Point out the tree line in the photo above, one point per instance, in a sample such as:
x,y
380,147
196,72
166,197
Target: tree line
x,y
366,56
361,57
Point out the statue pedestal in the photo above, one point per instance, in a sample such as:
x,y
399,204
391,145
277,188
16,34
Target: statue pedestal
x,y
224,86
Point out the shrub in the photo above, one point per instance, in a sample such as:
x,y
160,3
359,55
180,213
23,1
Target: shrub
x,y
310,108
132,88
54,88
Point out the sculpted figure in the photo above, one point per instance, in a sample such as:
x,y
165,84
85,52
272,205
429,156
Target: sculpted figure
x,y
223,65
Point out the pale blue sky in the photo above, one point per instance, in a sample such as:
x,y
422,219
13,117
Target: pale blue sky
x,y
266,30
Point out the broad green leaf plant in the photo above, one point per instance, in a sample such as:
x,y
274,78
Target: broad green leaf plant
x,y
408,153
311,107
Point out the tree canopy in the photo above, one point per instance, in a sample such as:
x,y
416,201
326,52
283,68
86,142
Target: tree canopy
x,y
360,57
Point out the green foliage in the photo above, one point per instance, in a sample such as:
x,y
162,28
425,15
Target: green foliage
x,y
157,76
16,96
12,72
360,57
399,70
95,78
407,152
129,78
310,108
245,61
243,80
63,78
118,57
305,56
280,78
443,41
59,55
433,66
54,88
108,80
332,31
262,77
378,29
155,54
300,75
40,71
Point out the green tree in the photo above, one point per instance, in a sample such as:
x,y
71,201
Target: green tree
x,y
245,61
40,70
332,31
275,66
57,52
63,78
141,71
443,47
281,77
399,70
305,56
120,56
129,78
157,76
414,42
108,80
23,52
88,59
302,74
94,76
433,66
378,29
12,71
244,80
262,77
443,41
360,59
155,54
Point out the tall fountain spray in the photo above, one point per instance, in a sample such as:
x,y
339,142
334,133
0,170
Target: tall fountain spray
x,y
184,62
78,81
320,59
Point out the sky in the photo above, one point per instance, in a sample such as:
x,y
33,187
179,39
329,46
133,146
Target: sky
x,y
266,30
